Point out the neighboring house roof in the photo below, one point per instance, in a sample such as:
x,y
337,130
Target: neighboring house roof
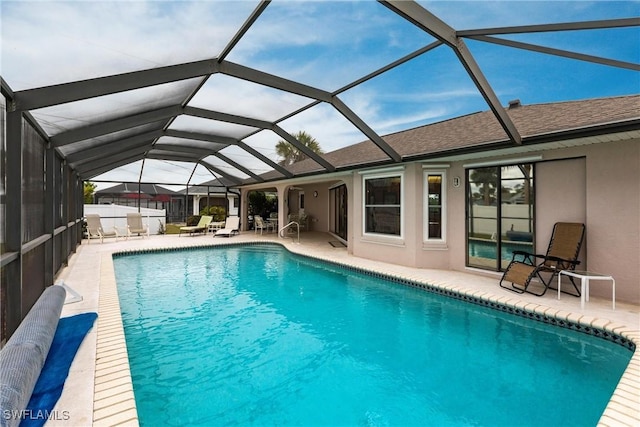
x,y
481,132
218,185
149,189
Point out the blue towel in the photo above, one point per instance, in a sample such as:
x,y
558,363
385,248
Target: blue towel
x,y
66,341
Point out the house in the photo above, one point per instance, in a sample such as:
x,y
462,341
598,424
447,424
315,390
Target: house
x,y
462,190
143,195
211,193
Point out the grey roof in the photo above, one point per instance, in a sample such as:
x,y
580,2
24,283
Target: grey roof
x,y
481,132
145,188
215,186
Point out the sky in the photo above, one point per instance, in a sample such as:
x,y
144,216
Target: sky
x,y
324,44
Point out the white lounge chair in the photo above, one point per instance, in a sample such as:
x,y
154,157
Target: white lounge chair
x,y
231,227
135,225
95,230
202,227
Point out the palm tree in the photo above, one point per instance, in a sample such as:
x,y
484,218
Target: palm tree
x,y
487,181
291,154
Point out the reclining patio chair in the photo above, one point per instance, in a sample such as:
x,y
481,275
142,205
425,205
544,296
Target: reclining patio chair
x,y
202,227
562,254
231,227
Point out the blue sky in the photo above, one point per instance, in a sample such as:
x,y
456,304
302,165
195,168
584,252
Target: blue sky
x,y
325,44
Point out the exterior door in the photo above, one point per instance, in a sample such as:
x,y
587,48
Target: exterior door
x,y
338,206
500,214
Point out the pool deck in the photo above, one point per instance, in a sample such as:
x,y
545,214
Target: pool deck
x,y
99,391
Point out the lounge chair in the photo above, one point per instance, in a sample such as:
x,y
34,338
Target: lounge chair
x,y
231,227
261,224
135,225
202,227
562,254
95,229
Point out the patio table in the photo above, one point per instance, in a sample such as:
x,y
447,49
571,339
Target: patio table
x,y
586,277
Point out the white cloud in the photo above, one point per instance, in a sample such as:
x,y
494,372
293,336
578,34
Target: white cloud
x,y
321,43
235,96
78,40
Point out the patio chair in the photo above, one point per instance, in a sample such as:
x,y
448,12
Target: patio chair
x,y
301,219
261,224
135,225
231,227
562,254
202,227
304,222
95,229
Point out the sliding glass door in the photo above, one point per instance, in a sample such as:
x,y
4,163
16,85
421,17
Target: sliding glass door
x,y
500,214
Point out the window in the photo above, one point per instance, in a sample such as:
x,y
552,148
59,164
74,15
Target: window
x,y
500,214
383,204
434,206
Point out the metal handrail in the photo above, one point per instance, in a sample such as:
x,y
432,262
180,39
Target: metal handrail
x,y
291,224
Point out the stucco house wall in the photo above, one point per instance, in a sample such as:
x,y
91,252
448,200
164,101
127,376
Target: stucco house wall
x,y
613,216
597,185
316,206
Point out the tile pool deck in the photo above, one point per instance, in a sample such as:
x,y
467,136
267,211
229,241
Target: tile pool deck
x,y
99,391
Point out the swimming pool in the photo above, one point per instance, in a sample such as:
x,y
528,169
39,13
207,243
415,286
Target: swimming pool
x,y
254,335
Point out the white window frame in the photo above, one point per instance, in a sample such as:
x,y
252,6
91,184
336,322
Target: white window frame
x,y
443,206
389,173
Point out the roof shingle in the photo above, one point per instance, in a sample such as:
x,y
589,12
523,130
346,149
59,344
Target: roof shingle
x,y
480,130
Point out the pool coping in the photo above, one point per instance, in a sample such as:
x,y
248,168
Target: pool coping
x,y
114,399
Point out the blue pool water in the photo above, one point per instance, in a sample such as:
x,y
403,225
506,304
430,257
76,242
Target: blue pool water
x,y
487,249
253,335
